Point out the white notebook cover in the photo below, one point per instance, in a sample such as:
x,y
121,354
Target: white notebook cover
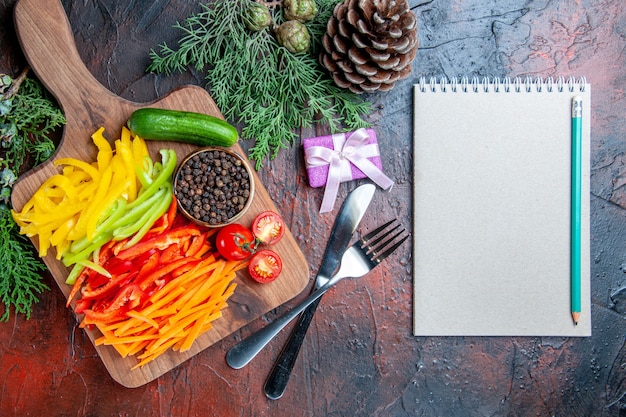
x,y
492,185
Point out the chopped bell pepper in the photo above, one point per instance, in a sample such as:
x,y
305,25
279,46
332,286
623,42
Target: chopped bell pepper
x,y
112,285
161,241
105,153
76,207
151,216
171,263
161,273
126,299
84,166
165,222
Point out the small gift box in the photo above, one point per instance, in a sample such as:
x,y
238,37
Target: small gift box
x,y
331,160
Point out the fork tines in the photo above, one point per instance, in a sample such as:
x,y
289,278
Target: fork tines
x,y
383,240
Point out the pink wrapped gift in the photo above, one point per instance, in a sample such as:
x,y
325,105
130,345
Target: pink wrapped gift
x,y
331,160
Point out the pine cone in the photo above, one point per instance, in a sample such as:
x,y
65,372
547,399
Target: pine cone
x,y
369,44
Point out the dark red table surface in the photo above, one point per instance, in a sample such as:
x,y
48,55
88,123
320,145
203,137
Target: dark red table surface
x,y
360,358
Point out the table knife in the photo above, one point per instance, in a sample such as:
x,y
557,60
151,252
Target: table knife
x,y
347,221
243,352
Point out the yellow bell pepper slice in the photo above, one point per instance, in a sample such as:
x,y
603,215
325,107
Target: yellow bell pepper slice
x,y
44,242
88,168
94,204
59,181
140,151
124,151
59,239
105,152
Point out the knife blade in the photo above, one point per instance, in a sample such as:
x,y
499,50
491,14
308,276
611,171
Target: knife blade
x,y
347,221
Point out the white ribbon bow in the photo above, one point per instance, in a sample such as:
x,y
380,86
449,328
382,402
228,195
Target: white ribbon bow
x,y
352,149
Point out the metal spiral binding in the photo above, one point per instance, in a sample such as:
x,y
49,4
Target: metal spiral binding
x,y
505,84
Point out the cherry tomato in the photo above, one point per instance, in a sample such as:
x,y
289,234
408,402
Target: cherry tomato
x,y
265,266
235,242
268,227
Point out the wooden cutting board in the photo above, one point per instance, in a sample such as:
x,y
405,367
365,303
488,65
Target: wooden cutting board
x,y
47,41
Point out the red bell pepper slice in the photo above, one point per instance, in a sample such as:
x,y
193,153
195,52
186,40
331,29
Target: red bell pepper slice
x,y
82,277
97,280
106,251
170,254
117,266
82,305
166,221
148,266
118,246
160,241
127,298
114,283
122,271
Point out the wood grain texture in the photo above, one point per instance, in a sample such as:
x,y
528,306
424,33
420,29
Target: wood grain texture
x,y
46,39
359,357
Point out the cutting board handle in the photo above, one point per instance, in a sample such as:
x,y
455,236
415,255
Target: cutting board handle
x,y
46,38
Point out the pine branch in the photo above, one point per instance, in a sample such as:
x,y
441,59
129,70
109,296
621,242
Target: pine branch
x,y
20,270
27,117
258,83
33,116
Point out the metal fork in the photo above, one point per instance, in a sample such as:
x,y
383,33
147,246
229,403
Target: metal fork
x,y
357,261
277,380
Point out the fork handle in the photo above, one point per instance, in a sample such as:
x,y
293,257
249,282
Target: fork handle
x,y
279,376
243,352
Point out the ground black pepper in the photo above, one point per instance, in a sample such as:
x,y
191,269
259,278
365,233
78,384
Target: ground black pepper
x,y
213,186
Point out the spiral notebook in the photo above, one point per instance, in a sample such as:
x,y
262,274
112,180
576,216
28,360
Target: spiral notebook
x,y
492,201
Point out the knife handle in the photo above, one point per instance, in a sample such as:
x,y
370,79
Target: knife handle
x,y
279,376
243,352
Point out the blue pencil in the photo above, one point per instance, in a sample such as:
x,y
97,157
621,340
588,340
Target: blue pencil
x,y
575,205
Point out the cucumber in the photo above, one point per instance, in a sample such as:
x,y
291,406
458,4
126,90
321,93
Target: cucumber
x,y
182,126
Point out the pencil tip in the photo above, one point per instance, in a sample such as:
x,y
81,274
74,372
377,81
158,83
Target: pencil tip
x,y
575,317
